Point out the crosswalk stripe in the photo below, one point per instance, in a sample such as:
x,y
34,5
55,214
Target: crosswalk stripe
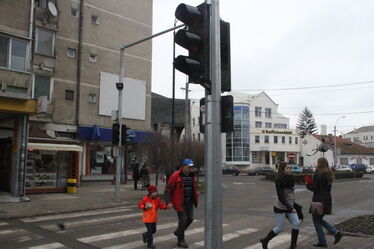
x,y
48,246
277,241
8,231
231,236
3,224
122,233
74,215
71,224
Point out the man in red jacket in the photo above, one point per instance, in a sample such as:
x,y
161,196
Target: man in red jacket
x,y
183,195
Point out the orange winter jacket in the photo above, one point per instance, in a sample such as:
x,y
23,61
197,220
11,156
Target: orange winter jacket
x,y
150,215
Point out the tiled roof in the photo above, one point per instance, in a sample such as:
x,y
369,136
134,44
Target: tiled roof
x,y
346,146
362,129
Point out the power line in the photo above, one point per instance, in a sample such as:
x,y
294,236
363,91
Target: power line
x,y
308,87
331,114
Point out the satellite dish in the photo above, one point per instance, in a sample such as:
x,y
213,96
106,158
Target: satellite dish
x,y
52,9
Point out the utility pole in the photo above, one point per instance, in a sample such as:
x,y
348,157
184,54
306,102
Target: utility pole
x,y
213,150
335,154
187,114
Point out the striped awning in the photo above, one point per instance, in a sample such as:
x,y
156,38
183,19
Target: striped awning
x,y
55,147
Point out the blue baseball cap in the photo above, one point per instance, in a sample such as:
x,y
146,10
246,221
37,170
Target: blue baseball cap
x,y
188,162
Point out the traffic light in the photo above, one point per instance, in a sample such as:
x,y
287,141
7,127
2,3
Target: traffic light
x,y
225,57
227,114
125,138
115,134
194,38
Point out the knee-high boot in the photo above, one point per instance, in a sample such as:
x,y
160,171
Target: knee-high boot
x,y
266,240
294,235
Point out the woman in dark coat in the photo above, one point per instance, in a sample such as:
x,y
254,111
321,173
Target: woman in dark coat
x,y
284,206
321,188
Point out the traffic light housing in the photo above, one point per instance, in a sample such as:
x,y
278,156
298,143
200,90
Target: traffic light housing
x,y
225,57
194,38
115,134
227,114
125,138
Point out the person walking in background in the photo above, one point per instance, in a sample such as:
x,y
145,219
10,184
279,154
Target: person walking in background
x,y
322,201
150,204
135,174
183,196
144,175
284,206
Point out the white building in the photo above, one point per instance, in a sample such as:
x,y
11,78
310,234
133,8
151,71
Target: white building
x,y
262,136
363,135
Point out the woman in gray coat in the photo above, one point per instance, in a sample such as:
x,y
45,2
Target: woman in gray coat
x,y
284,206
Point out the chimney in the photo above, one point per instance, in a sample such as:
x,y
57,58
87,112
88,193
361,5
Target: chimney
x,y
323,129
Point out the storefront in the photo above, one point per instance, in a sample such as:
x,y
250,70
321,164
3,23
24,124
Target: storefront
x,y
50,165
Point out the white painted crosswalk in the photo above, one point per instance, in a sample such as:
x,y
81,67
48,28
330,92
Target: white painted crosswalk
x,y
99,228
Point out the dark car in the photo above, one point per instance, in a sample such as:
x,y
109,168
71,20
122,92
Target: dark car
x,y
230,170
260,171
307,169
357,167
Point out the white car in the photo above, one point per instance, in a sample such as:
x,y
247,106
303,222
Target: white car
x,y
369,169
344,168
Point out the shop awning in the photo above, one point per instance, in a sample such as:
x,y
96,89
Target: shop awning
x,y
56,147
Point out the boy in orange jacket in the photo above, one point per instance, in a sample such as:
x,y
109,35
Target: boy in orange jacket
x,y
150,204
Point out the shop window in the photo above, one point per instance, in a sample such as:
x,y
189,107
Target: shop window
x,y
45,40
42,86
256,157
13,53
101,161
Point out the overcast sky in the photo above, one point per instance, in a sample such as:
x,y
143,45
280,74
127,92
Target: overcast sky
x,y
286,44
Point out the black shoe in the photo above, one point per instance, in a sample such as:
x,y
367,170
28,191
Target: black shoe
x,y
265,241
182,244
144,237
320,245
151,246
338,237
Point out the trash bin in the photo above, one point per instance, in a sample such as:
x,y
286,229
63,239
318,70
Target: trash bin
x,y
72,186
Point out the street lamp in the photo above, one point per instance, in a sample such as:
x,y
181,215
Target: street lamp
x,y
335,154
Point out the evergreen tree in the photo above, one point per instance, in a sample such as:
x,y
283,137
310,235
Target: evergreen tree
x,y
306,123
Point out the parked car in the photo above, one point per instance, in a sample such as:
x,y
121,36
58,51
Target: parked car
x,y
342,168
369,169
260,170
296,169
307,169
230,170
357,167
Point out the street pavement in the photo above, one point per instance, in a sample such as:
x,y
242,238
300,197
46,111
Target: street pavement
x,y
247,217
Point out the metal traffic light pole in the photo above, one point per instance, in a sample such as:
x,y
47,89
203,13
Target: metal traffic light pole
x,y
117,149
213,150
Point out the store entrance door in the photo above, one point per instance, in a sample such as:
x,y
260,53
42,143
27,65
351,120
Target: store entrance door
x,y
5,164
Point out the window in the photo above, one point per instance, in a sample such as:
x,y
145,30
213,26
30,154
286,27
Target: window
x,y
256,157
198,136
94,19
258,111
257,139
258,124
266,139
366,138
13,53
91,98
275,139
69,95
296,140
267,112
93,57
348,138
42,86
356,139
371,161
193,137
290,140
71,52
193,121
267,125
343,161
74,12
283,139
45,41
41,3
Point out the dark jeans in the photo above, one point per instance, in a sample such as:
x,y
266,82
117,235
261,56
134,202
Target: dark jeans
x,y
319,223
185,218
151,229
136,183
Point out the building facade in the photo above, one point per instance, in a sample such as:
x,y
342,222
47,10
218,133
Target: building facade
x,y
363,135
347,151
70,67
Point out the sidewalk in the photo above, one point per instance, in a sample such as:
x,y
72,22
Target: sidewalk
x,y
91,195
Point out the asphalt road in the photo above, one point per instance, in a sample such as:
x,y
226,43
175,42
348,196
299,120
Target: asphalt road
x,y
247,209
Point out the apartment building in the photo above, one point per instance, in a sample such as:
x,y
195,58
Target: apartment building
x,y
74,65
363,135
